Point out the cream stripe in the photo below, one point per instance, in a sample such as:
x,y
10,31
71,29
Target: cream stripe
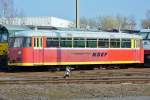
x,y
72,63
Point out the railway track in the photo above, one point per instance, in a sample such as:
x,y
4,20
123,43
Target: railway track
x,y
78,77
106,80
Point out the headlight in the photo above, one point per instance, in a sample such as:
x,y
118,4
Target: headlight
x,y
19,52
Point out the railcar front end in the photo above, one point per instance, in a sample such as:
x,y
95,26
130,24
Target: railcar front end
x,y
5,32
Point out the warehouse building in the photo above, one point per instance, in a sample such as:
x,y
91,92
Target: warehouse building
x,y
37,21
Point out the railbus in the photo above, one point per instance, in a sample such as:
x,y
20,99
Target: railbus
x,y
56,47
5,32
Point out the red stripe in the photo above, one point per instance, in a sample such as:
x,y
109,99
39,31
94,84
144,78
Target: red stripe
x,y
31,55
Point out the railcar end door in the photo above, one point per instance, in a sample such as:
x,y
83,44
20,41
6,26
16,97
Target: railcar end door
x,y
38,51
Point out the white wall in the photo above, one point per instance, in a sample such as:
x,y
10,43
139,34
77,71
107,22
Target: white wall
x,y
38,21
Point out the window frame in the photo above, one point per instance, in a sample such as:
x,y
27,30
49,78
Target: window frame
x,y
66,41
91,40
53,40
123,40
104,41
16,43
30,45
79,42
114,43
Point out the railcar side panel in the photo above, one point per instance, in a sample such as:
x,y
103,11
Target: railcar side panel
x,y
79,56
38,56
15,55
91,56
28,55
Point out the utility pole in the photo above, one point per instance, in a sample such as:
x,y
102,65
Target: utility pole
x,y
78,14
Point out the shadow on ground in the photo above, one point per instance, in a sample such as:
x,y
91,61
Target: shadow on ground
x,y
28,69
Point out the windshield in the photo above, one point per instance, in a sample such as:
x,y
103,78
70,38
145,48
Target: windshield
x,y
3,36
148,36
144,35
20,42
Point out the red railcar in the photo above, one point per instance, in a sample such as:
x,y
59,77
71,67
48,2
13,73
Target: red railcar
x,y
36,48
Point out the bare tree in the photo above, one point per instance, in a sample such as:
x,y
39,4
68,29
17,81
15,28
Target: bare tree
x,y
7,8
145,23
84,22
118,22
8,12
88,23
93,23
122,22
131,23
109,22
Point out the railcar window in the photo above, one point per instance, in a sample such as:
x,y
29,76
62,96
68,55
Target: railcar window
x,y
27,42
103,43
18,43
138,43
126,43
38,42
41,43
66,42
114,43
52,42
91,43
35,42
3,36
11,42
79,43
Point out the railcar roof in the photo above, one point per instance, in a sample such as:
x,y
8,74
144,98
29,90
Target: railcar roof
x,y
84,34
15,27
145,30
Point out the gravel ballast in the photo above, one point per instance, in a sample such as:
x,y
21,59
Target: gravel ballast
x,y
72,91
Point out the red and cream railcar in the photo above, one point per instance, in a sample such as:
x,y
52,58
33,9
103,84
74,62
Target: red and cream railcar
x,y
36,48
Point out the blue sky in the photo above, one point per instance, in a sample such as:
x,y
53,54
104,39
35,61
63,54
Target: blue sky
x,y
88,8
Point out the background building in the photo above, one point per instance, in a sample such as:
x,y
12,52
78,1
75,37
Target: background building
x,y
37,21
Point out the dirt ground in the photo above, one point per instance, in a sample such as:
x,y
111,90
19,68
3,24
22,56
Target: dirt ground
x,y
72,91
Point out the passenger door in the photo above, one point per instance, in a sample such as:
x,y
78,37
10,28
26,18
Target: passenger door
x,y
38,51
137,50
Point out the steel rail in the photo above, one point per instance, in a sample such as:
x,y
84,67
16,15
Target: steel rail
x,y
77,80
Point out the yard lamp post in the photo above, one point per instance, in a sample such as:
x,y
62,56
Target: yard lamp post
x,y
78,14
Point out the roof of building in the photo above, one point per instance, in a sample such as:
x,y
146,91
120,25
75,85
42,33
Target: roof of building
x,y
37,21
